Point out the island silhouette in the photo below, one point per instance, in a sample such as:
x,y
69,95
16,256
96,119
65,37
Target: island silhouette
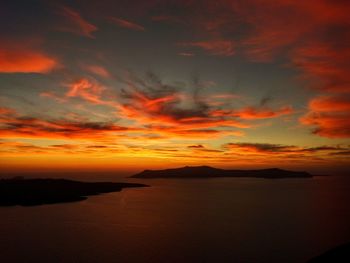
x,y
211,172
30,192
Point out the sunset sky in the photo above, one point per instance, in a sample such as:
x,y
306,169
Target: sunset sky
x,y
130,85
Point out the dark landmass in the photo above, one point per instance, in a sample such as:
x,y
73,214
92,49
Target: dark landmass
x,y
210,172
336,255
29,192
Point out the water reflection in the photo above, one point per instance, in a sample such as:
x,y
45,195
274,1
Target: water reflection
x,y
213,220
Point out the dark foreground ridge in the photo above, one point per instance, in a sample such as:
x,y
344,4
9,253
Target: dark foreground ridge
x,y
29,192
337,254
210,172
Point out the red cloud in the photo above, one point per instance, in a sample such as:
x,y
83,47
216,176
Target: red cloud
x,y
252,113
75,23
6,111
161,105
126,24
13,125
160,109
326,65
312,35
330,103
15,58
86,90
331,115
214,47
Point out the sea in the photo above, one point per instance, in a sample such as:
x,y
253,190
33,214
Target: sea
x,y
185,220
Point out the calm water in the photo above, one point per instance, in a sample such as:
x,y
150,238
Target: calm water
x,y
202,220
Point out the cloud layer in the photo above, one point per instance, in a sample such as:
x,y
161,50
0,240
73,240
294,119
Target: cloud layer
x,y
95,90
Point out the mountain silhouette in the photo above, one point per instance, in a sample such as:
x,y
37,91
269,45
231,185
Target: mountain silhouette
x,y
211,172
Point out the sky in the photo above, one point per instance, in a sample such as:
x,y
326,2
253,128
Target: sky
x,y
144,84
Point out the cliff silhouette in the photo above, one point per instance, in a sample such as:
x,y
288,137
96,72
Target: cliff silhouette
x,y
337,254
29,192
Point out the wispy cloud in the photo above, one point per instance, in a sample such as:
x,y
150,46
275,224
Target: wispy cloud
x,y
166,110
149,100
253,113
186,54
97,70
86,89
74,23
279,149
14,125
126,24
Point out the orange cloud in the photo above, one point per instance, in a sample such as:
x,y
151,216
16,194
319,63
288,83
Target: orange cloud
x,y
252,113
161,105
20,148
6,111
330,103
75,23
312,35
330,115
87,90
264,113
283,150
16,58
126,24
155,108
13,125
160,110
